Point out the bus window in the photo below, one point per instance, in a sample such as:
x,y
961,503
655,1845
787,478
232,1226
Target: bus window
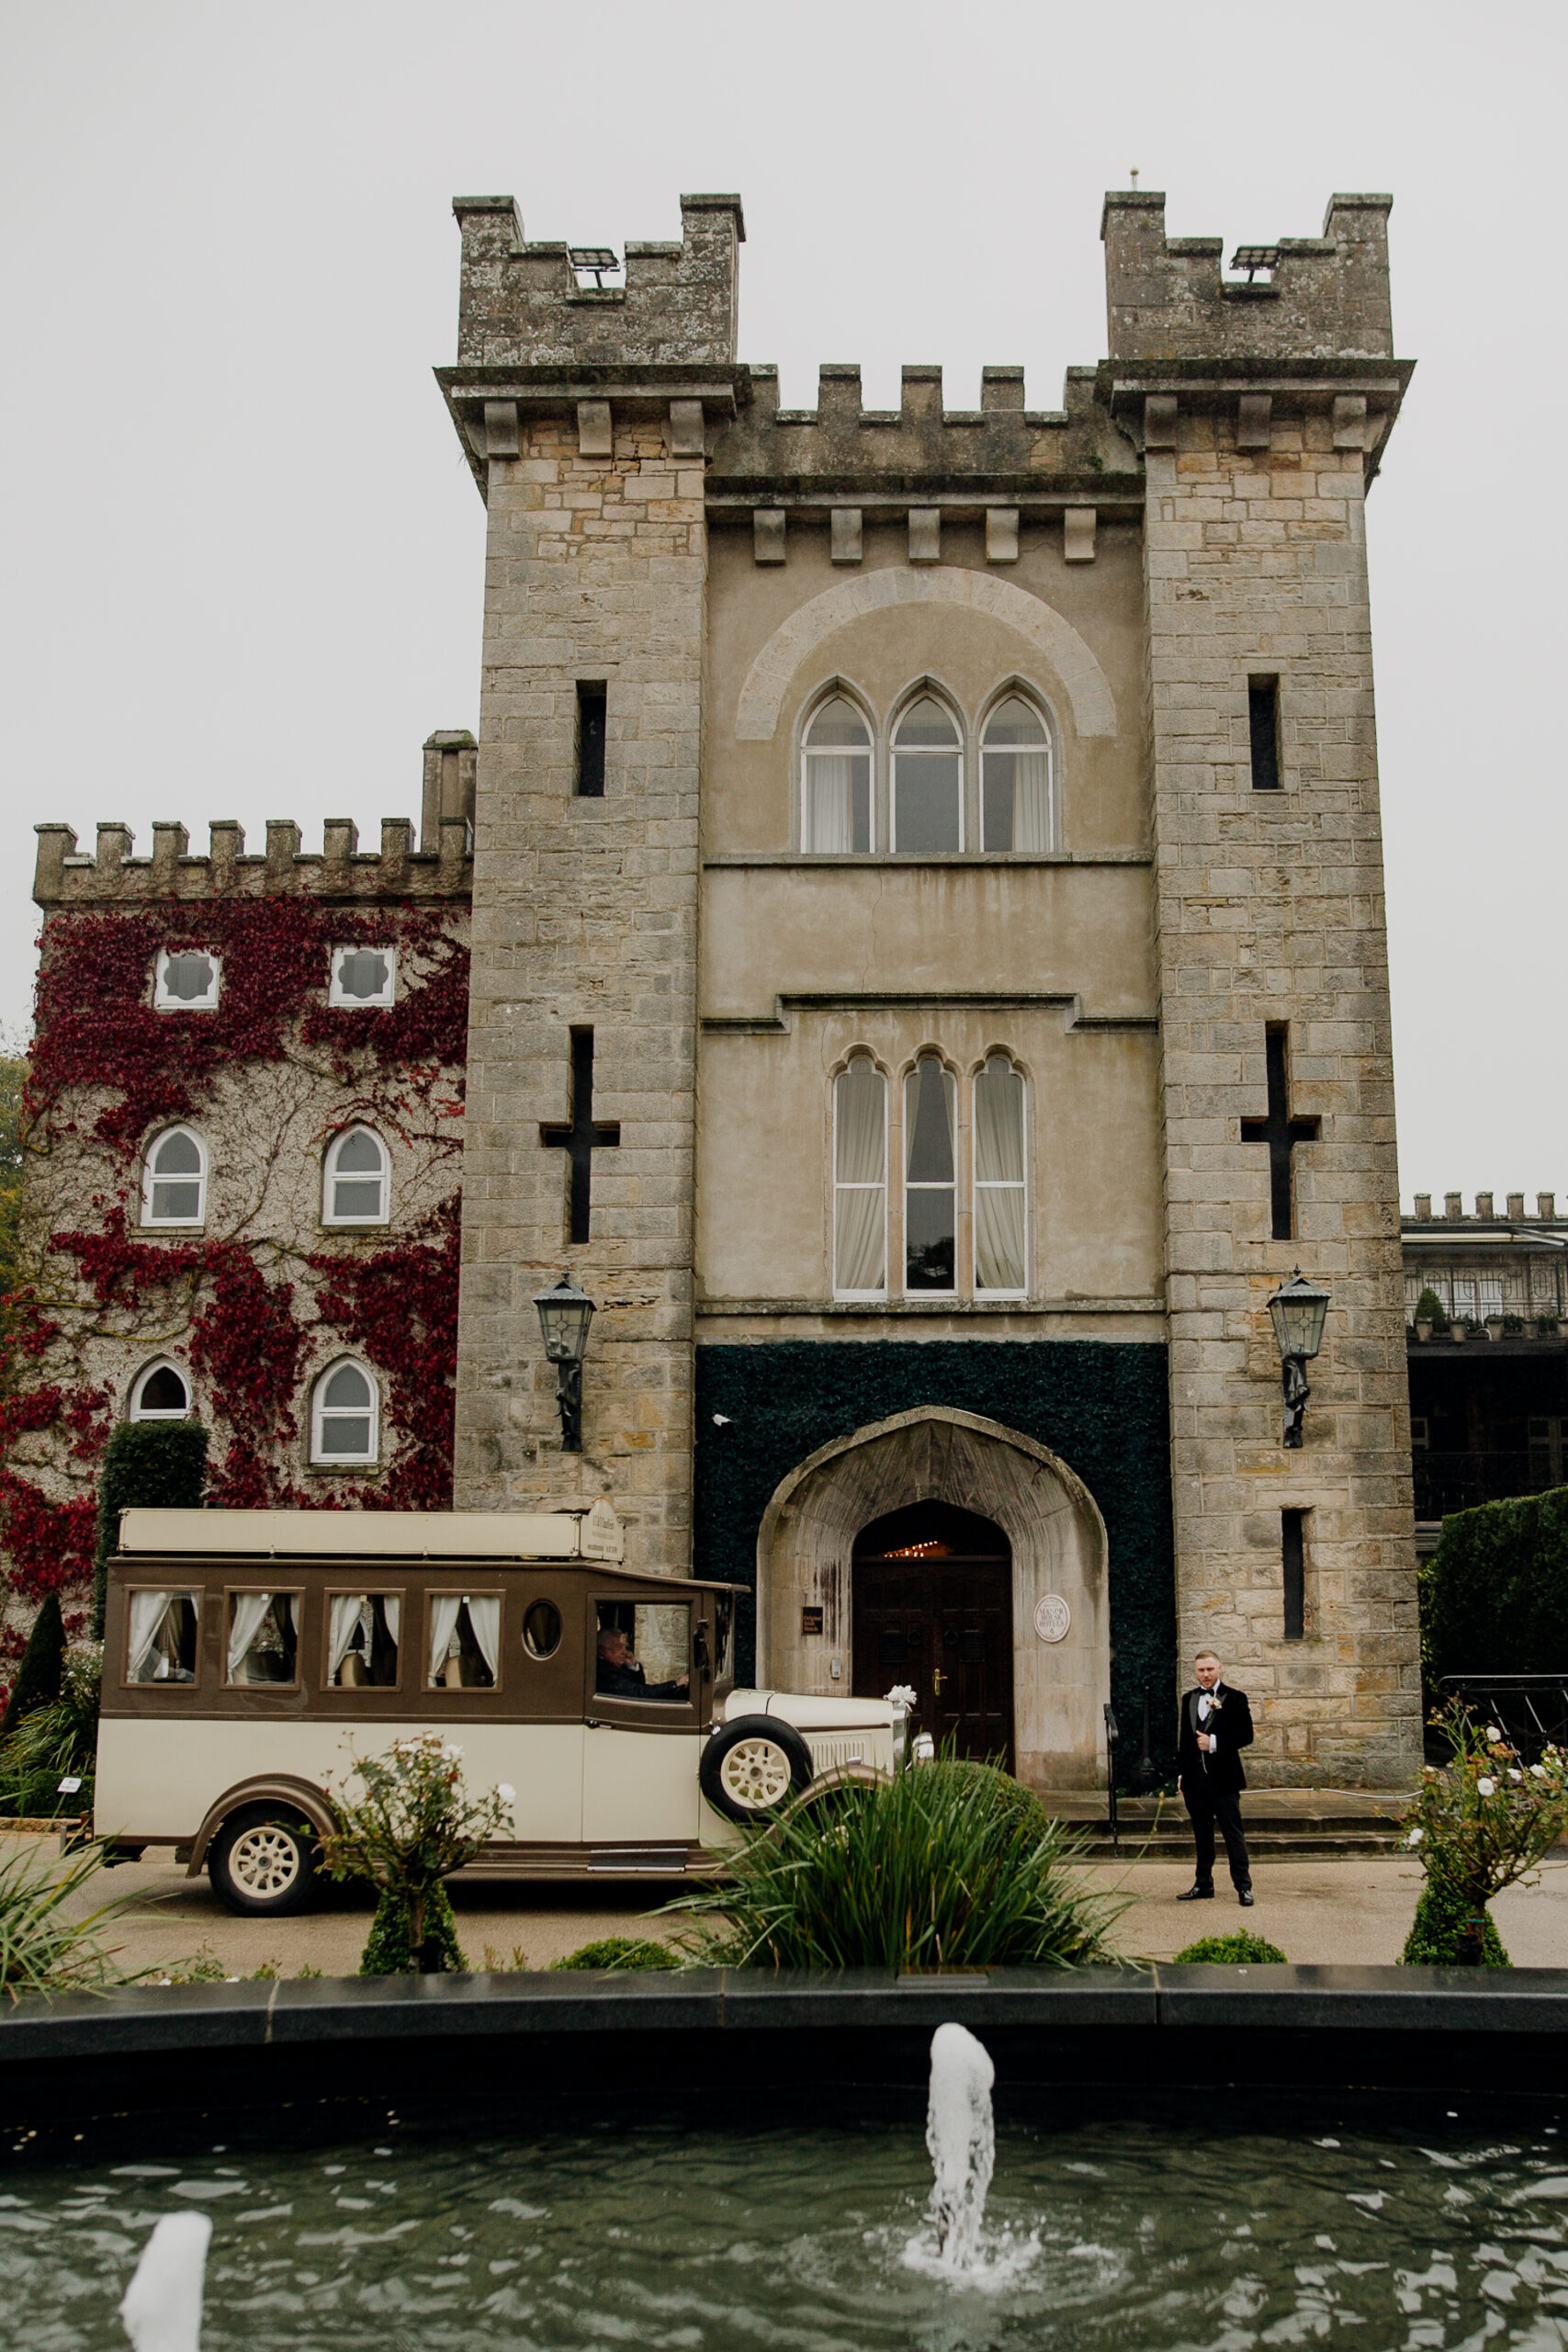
x,y
465,1640
644,1649
263,1638
724,1614
361,1640
541,1629
162,1646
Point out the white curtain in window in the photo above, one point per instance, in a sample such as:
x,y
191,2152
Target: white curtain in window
x,y
1000,1259
828,778
484,1616
860,1219
1031,800
350,1611
148,1611
250,1607
391,1610
444,1607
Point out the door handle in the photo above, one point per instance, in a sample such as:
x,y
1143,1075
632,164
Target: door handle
x,y
936,1683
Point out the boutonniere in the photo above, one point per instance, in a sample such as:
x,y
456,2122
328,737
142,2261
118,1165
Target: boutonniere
x,y
1215,1703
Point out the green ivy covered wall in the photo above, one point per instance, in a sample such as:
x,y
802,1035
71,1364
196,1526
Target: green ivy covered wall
x,y
1101,1405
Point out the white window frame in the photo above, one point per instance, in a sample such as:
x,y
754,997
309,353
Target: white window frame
x,y
990,1185
363,1004
319,1461
137,1411
876,1297
149,1176
330,1176
835,692
163,1002
927,691
950,1083
1016,691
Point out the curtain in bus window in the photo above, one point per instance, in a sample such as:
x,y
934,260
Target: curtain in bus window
x,y
484,1617
350,1611
444,1607
148,1611
250,1607
392,1610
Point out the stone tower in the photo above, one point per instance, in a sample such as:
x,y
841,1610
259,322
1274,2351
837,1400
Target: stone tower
x,y
586,413
1261,407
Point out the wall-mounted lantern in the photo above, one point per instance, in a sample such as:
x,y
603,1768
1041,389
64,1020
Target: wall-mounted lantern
x,y
564,1313
1297,1309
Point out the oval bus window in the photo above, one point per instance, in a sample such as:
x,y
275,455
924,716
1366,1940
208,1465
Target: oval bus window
x,y
541,1629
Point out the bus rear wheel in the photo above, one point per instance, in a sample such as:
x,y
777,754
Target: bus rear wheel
x,y
263,1862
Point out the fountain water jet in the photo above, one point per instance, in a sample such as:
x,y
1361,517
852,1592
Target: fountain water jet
x,y
161,2309
962,2139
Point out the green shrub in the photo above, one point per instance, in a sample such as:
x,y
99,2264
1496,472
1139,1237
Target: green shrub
x,y
1495,1593
54,1743
157,1466
38,1677
1440,1916
389,1947
619,1951
941,1867
42,1950
1430,1308
1249,1950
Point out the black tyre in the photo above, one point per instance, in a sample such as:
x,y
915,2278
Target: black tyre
x,y
750,1770
263,1862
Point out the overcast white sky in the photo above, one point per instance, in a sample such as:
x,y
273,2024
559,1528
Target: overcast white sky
x,y
243,557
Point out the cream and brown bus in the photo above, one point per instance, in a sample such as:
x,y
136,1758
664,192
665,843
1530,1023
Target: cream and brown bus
x,y
250,1655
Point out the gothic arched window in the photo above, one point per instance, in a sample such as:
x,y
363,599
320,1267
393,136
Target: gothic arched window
x,y
173,1185
346,1413
930,1182
1015,778
356,1179
1001,1223
159,1394
860,1181
928,779
835,780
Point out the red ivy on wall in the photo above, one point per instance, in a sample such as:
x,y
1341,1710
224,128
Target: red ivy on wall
x,y
99,1038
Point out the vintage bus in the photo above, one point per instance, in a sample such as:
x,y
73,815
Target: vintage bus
x,y
250,1655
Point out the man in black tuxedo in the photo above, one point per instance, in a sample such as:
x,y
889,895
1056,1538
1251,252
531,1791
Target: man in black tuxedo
x,y
1216,1725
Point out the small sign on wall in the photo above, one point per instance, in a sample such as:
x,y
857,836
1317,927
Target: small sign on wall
x,y
1053,1618
811,1621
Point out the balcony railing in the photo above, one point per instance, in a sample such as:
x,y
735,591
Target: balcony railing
x,y
1445,1482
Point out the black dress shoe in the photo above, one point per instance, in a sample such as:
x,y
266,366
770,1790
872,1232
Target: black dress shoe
x,y
1244,1896
1197,1894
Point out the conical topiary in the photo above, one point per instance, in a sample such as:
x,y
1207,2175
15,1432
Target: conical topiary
x,y
389,1947
1439,1919
38,1677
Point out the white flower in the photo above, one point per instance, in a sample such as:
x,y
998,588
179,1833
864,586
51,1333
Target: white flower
x,y
452,1752
1493,1733
1512,1775
1415,1836
506,1792
1538,1772
901,1695
1485,1788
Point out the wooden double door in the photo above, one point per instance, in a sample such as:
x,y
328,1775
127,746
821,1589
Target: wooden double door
x,y
932,1607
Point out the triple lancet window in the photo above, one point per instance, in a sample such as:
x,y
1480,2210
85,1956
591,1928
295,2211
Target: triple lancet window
x,y
939,1157
927,787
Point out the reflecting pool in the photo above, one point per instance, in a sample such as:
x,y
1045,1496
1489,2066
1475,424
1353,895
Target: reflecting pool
x,y
1428,2232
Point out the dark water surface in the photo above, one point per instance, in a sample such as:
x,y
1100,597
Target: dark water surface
x,y
1416,2230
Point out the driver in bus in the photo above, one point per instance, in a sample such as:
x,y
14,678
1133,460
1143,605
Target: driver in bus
x,y
620,1677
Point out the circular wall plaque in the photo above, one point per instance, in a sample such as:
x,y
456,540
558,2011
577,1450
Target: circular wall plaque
x,y
1051,1617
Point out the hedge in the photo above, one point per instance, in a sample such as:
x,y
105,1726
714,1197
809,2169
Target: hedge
x,y
1494,1594
157,1466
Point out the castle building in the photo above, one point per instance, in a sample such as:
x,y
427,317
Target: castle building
x,y
921,872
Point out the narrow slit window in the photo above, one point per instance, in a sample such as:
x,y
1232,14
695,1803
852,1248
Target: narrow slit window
x,y
1292,1548
835,813
1001,1256
930,1190
1263,717
592,707
1015,779
927,780
860,1181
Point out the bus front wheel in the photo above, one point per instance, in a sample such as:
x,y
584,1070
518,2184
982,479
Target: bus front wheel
x,y
263,1862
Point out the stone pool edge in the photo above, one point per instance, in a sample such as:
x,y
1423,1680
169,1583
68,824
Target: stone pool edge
x,y
1157,2027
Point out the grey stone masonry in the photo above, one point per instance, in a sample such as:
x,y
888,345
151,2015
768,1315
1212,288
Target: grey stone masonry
x,y
1270,911
341,871
585,908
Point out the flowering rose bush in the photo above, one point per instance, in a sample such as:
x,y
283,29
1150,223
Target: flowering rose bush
x,y
1484,1821
413,1825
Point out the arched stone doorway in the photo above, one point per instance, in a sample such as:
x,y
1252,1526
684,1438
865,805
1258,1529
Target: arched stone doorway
x,y
931,1603
1061,1651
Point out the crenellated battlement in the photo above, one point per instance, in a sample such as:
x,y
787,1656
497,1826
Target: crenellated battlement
x,y
521,304
1310,298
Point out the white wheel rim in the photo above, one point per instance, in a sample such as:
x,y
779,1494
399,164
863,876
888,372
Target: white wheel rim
x,y
265,1861
755,1773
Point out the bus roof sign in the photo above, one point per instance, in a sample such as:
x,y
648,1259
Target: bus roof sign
x,y
592,1533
